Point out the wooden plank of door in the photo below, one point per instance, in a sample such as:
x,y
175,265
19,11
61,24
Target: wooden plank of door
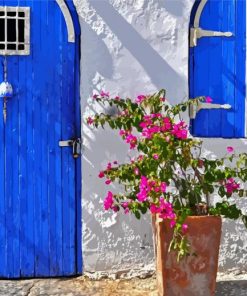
x,y
68,163
3,242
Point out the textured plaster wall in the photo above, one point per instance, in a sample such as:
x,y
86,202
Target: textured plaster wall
x,y
130,47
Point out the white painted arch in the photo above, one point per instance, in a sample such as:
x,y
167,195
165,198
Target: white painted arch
x,y
68,20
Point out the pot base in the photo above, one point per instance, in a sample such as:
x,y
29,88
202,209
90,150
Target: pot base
x,y
196,274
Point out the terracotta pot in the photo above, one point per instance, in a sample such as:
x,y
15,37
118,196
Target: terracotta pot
x,y
194,275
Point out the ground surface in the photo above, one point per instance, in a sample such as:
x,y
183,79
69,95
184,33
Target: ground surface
x,y
82,286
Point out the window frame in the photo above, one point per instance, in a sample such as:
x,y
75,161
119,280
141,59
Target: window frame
x,y
26,18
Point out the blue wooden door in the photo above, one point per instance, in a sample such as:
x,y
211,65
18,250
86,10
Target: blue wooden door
x,y
40,181
217,66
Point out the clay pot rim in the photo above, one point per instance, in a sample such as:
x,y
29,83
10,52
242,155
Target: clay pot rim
x,y
204,216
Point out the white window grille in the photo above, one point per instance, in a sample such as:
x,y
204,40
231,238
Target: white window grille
x,y
14,30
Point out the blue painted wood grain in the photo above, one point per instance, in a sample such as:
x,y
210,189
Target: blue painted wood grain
x,y
40,182
217,69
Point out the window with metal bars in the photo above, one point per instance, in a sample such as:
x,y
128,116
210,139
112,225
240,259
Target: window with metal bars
x,y
14,30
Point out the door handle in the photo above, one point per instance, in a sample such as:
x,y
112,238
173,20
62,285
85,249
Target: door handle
x,y
194,109
197,33
75,144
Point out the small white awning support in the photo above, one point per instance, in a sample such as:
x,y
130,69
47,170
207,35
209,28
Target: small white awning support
x,y
196,32
68,20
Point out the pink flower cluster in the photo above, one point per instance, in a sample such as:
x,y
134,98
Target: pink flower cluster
x,y
109,201
231,185
108,168
165,211
180,130
125,206
146,186
105,95
149,128
140,98
129,138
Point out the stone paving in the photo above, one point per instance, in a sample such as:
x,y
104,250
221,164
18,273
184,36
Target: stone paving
x,y
83,286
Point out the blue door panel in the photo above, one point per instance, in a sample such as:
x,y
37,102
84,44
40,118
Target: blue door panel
x,y
39,183
217,70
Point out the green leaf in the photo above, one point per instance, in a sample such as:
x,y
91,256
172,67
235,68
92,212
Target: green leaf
x,y
137,214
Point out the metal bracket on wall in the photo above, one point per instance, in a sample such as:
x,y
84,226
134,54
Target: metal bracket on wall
x,y
194,109
197,33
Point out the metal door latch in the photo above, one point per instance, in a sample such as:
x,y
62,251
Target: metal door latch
x,y
194,109
197,33
75,144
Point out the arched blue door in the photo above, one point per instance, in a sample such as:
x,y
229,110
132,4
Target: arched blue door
x,y
39,180
217,67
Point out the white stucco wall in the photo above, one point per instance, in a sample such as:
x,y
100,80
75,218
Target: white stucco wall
x,y
130,47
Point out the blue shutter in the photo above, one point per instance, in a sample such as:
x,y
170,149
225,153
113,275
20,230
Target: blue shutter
x,y
217,68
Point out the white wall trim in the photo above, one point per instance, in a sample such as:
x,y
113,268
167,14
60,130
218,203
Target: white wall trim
x,y
198,13
68,20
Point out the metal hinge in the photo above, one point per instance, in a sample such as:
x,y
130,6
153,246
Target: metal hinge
x,y
197,33
194,109
76,145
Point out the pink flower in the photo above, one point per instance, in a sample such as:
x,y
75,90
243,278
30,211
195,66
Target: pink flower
x,y
95,96
163,187
208,100
162,99
126,211
172,223
230,149
104,94
108,202
167,139
124,113
108,182
143,124
132,140
136,171
140,98
144,189
125,204
115,208
109,166
122,133
142,195
166,124
115,162
90,120
101,174
184,228
154,209
117,98
155,156
231,185
180,130
140,157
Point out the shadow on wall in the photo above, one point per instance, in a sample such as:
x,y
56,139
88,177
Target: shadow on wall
x,y
110,241
174,7
160,72
95,58
233,252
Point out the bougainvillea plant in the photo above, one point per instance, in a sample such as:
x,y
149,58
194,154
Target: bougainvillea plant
x,y
168,176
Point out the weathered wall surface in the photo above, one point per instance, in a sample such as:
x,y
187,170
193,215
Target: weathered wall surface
x,y
130,47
